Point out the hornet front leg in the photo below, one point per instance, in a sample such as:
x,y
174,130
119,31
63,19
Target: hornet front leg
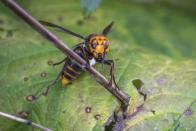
x,y
112,76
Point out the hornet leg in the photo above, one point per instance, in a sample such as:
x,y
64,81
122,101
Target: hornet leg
x,y
57,63
112,76
85,54
41,92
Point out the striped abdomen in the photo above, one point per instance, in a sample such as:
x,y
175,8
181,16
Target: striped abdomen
x,y
71,71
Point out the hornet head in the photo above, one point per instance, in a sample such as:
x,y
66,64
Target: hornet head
x,y
98,44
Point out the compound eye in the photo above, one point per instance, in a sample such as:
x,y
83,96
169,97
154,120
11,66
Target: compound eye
x,y
106,44
93,45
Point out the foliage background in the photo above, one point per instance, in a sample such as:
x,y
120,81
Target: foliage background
x,y
152,40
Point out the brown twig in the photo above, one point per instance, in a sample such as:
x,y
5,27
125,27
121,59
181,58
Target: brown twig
x,y
121,96
27,122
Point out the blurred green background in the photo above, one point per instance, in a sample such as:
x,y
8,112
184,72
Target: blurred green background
x,y
152,40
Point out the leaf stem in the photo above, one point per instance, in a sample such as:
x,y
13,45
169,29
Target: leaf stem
x,y
121,96
27,122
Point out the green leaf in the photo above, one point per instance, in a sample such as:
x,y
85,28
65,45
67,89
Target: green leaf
x,y
170,90
154,44
89,6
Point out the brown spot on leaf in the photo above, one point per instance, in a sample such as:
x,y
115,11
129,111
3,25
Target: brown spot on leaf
x,y
97,116
88,109
80,22
26,78
30,98
50,62
43,74
23,114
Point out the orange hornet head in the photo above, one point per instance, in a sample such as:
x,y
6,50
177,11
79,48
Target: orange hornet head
x,y
99,45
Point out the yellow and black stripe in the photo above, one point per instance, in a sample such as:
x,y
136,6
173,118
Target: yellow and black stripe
x,y
71,71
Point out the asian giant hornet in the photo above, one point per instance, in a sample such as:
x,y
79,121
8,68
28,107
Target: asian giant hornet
x,y
93,50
